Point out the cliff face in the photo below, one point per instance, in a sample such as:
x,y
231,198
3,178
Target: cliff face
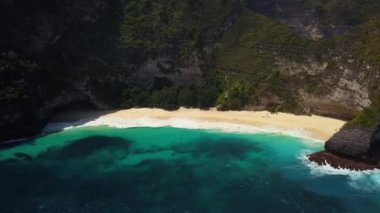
x,y
296,14
356,145
317,19
300,15
60,53
47,46
282,71
106,54
341,91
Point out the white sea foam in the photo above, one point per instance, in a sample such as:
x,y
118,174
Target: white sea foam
x,y
177,123
361,180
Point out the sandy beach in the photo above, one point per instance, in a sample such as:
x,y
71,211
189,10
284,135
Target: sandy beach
x,y
316,127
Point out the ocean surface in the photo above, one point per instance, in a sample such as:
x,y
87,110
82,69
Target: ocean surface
x,y
166,169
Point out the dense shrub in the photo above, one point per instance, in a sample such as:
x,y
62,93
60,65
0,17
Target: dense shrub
x,y
234,98
370,116
169,97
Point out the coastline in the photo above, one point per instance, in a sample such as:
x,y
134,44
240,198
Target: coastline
x,y
313,127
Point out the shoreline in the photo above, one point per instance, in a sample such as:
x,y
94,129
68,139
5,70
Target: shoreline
x,y
303,126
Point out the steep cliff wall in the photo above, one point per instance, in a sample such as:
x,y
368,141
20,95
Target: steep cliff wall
x,y
281,71
316,19
126,53
336,87
356,145
46,47
59,53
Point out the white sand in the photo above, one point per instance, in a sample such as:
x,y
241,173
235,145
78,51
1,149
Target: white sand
x,y
316,127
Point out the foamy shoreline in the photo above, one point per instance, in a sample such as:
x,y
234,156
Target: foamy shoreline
x,y
312,127
316,128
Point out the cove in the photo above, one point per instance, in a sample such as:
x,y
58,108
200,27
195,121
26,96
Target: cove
x,y
165,169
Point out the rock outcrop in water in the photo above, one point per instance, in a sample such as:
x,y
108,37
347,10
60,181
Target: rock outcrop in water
x,y
353,142
355,148
374,151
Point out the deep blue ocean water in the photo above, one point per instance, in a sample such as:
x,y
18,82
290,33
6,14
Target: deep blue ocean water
x,y
102,169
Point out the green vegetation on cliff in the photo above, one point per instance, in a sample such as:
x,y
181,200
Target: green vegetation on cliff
x,y
370,116
205,53
345,12
19,77
364,42
245,65
177,30
245,60
170,97
177,27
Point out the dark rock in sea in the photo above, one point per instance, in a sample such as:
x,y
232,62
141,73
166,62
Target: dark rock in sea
x,y
374,151
355,148
336,161
353,142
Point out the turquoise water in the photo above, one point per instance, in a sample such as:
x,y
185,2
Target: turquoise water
x,y
101,169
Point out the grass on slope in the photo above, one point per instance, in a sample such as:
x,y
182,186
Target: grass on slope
x,y
364,42
370,116
181,26
246,57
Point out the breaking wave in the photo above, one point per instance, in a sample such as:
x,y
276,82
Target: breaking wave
x,y
178,123
361,180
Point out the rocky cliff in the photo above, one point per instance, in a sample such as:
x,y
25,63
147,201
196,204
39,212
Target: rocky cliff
x,y
47,48
282,71
297,14
356,145
60,53
232,54
354,148
317,19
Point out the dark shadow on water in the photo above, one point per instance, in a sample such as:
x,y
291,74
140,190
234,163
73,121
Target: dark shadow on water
x,y
85,147
151,150
219,148
225,148
23,156
78,150
69,179
66,117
